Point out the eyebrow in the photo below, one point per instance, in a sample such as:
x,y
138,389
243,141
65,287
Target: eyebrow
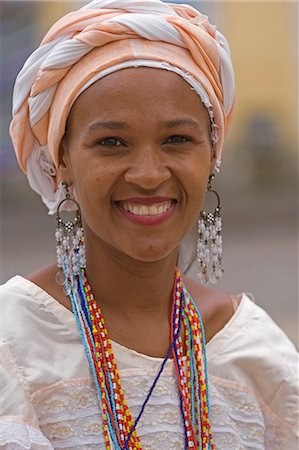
x,y
110,124
181,122
114,125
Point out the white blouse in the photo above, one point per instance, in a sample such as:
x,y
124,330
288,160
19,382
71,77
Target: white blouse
x,y
48,400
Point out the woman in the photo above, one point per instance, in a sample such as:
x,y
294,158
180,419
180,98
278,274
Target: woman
x,y
120,117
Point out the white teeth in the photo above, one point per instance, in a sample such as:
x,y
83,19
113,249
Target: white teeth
x,y
144,210
153,210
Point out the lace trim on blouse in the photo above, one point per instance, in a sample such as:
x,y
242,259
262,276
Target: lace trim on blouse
x,y
69,416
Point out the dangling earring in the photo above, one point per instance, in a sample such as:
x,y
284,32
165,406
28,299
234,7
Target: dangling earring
x,y
209,244
70,250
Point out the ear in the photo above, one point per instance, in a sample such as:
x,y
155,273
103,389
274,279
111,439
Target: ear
x,y
64,168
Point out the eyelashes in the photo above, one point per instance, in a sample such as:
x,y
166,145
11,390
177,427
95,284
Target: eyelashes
x,y
109,142
112,141
178,139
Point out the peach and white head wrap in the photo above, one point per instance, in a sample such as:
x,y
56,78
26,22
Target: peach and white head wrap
x,y
102,37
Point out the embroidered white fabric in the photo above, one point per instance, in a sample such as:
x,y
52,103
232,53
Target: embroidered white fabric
x,y
69,415
49,400
17,436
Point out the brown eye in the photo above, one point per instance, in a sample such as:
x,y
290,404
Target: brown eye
x,y
109,142
177,139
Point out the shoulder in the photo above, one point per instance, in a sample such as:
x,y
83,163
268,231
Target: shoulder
x,y
251,341
216,307
20,311
253,332
246,347
26,310
253,352
15,293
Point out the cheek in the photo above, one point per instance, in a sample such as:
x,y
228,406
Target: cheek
x,y
196,176
103,175
196,192
94,183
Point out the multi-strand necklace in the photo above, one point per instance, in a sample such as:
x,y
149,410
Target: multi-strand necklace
x,y
119,427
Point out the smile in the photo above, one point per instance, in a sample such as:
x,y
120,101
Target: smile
x,y
155,209
147,212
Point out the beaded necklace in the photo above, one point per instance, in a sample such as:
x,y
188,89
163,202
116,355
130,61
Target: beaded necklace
x,y
119,427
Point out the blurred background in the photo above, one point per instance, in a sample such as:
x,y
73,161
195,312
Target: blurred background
x,y
258,183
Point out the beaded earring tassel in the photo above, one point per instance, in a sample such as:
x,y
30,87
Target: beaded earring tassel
x,y
70,249
209,244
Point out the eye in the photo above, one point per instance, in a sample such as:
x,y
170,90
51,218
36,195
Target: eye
x,y
177,139
109,142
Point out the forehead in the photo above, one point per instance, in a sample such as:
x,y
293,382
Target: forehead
x,y
136,93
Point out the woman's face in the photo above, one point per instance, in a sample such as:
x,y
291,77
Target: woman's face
x,y
138,153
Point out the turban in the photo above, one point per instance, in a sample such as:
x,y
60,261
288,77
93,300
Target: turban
x,y
102,37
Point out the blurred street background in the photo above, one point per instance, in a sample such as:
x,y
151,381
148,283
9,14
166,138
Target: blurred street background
x,y
258,183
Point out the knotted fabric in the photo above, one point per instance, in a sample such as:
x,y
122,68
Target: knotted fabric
x,y
98,39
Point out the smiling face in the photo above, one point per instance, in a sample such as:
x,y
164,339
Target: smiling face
x,y
138,153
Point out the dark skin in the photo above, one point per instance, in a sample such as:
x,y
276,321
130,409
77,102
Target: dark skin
x,y
158,146
215,307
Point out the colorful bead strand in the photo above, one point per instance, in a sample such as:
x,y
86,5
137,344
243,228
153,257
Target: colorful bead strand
x,y
119,427
100,334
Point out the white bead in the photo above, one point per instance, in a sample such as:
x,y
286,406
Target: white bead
x,y
214,258
218,240
200,245
200,255
202,278
83,261
74,258
213,279
213,249
201,226
218,224
67,290
59,251
59,262
219,249
65,242
206,234
75,242
79,233
82,251
58,235
219,273
213,232
60,278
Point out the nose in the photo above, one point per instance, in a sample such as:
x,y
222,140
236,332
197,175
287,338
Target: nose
x,y
148,169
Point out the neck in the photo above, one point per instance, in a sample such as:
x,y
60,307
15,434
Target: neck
x,y
123,285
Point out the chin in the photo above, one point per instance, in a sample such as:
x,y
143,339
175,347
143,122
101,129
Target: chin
x,y
152,253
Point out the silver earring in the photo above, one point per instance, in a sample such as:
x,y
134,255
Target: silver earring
x,y
70,249
209,244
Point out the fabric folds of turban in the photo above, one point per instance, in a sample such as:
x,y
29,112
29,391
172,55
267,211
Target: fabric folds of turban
x,y
100,38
